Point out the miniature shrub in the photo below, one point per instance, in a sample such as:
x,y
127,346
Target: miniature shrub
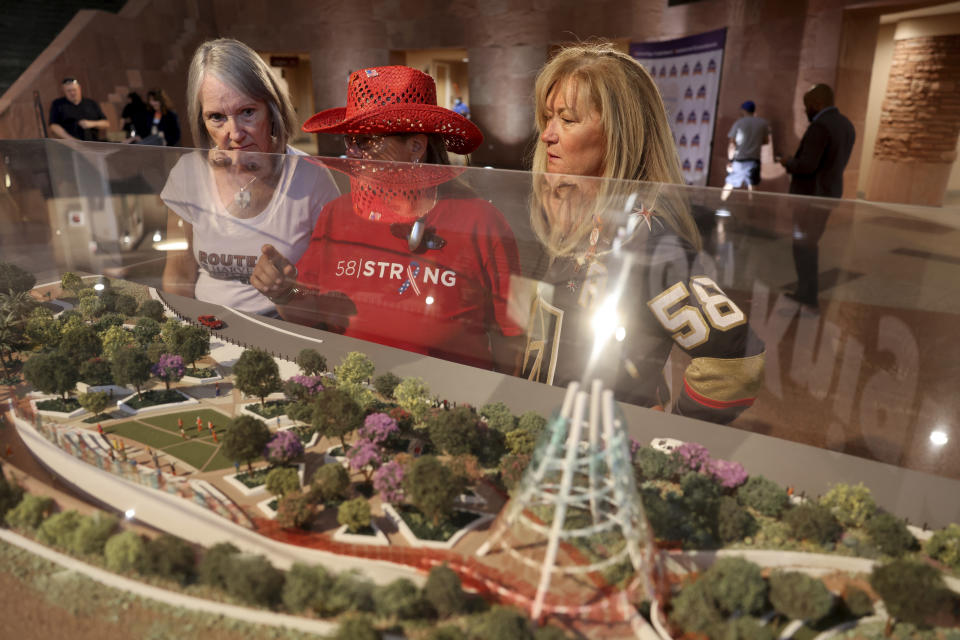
x,y
431,487
254,580
733,521
911,590
124,551
766,496
446,633
852,505
282,480
502,623
304,585
350,591
96,371
311,362
701,504
57,530
890,534
356,628
151,309
813,522
499,417
213,567
30,512
455,431
386,383
489,446
511,470
169,557
742,628
355,514
295,510
330,482
694,609
737,585
10,496
858,602
550,633
656,465
92,533
401,599
444,592
521,442
944,546
799,597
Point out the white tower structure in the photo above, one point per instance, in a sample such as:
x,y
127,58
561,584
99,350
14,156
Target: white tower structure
x,y
579,490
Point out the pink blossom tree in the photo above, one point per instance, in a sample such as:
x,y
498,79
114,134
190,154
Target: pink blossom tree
x,y
377,427
388,482
365,455
169,368
283,448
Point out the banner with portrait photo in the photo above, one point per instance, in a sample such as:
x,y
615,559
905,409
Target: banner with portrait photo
x,y
687,71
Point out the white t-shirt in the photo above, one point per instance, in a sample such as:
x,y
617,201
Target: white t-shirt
x,y
226,248
747,134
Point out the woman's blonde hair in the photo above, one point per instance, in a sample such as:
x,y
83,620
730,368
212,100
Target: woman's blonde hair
x,y
239,66
638,142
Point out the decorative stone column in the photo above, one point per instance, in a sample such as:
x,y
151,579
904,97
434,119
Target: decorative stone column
x,y
919,123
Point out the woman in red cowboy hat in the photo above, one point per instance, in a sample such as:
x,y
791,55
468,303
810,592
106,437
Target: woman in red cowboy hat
x,y
410,258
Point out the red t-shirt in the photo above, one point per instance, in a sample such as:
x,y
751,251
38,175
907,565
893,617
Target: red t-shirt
x,y
439,302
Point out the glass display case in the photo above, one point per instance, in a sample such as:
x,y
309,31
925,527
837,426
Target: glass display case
x,y
505,286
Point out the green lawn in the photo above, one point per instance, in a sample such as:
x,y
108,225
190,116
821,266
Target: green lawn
x,y
169,421
144,434
194,453
219,461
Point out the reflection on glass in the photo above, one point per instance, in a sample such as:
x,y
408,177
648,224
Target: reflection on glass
x,y
939,438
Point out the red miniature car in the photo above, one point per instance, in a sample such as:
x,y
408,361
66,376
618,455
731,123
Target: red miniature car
x,y
211,322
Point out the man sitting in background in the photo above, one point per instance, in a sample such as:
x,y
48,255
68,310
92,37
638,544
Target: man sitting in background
x,y
74,116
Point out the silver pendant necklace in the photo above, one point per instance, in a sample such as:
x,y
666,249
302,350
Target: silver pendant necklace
x,y
242,197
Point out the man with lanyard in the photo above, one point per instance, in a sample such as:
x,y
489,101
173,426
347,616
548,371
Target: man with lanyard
x,y
74,116
747,136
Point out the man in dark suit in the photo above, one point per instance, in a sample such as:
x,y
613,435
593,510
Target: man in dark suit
x,y
816,170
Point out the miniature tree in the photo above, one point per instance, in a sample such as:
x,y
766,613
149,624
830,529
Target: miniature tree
x,y
378,427
356,368
444,592
466,467
733,521
146,331
503,623
30,512
96,372
330,482
813,522
49,373
498,416
94,402
131,366
694,609
400,599
701,500
282,480
764,495
386,384
311,362
126,304
301,388
656,465
355,514
431,487
256,373
91,307
92,533
124,551
71,282
857,601
521,442
356,628
742,628
335,415
106,321
449,632
727,474
799,597
254,580
11,494
194,342
512,468
852,505
42,328
944,546
151,309
169,368
304,585
283,448
169,557
455,431
114,339
911,590
890,534
350,591
737,585
213,567
295,510
365,456
57,530
79,344
15,279
413,396
244,439
388,482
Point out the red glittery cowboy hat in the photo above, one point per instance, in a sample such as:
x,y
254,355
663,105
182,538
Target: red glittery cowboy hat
x,y
396,100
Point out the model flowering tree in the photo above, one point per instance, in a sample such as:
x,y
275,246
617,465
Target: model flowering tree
x,y
169,368
300,388
365,455
283,448
388,482
729,475
377,427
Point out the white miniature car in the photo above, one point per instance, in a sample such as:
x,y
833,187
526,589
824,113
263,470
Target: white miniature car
x,y
667,445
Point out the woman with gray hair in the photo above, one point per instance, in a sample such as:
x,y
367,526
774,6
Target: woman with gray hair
x,y
246,189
